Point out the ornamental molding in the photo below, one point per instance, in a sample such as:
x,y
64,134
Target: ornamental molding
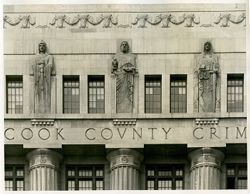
x,y
206,121
123,20
42,122
124,122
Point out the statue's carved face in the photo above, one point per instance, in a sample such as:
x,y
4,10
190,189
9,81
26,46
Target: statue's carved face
x,y
124,47
42,48
207,47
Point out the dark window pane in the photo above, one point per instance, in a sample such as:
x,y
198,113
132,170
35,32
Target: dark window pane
x,y
85,177
14,95
96,97
178,94
235,93
14,178
152,94
236,176
71,91
164,177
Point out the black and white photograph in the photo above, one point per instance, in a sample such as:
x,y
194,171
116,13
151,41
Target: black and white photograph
x,y
125,96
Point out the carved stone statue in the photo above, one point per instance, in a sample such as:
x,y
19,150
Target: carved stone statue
x,y
42,70
207,77
124,69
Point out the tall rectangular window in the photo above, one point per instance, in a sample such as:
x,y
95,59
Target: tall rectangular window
x,y
14,178
235,92
164,177
236,176
14,94
153,94
71,94
85,177
178,93
96,99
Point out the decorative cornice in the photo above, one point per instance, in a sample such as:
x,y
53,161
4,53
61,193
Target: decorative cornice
x,y
141,20
42,122
206,121
124,122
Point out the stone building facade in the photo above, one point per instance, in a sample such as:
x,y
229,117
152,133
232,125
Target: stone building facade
x,y
125,97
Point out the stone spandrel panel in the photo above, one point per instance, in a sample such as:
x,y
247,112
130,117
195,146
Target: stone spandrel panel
x,y
191,132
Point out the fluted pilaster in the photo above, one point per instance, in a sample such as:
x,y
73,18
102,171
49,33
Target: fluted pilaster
x,y
43,168
205,168
124,166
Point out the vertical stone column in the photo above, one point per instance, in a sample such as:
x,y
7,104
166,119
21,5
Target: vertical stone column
x,y
124,166
205,168
43,168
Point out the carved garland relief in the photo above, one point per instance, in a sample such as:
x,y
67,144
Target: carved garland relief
x,y
84,21
163,20
225,19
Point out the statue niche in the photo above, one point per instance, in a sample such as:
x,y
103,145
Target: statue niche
x,y
42,70
124,69
207,78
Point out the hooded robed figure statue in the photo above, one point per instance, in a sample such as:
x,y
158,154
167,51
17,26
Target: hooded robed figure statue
x,y
124,69
42,70
208,80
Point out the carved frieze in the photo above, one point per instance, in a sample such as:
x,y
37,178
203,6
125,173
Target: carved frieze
x,y
226,18
59,21
25,21
83,20
123,20
165,20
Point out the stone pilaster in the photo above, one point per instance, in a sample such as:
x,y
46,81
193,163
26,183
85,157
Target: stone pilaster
x,y
43,168
205,168
124,166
